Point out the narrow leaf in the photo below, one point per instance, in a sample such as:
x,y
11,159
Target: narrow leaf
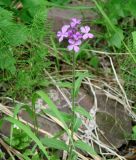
x,y
54,143
27,130
53,107
134,39
83,112
85,147
77,124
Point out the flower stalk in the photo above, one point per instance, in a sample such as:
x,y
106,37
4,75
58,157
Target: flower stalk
x,y
75,34
73,104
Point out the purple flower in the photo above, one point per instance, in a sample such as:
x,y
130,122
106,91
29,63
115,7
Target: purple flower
x,y
74,35
74,45
63,33
77,36
75,22
70,33
85,30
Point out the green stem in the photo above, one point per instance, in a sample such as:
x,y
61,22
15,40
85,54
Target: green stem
x,y
73,105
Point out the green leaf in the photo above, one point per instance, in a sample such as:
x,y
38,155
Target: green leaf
x,y
78,84
131,7
6,3
11,33
7,61
94,61
65,116
15,142
134,129
36,157
15,34
77,124
28,131
1,123
23,145
28,152
30,8
81,76
5,18
83,112
16,111
118,11
53,107
116,38
134,39
54,143
32,3
84,147
65,84
133,137
60,2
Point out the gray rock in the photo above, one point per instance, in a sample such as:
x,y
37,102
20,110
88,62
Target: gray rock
x,y
111,117
60,16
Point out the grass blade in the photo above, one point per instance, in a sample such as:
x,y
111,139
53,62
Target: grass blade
x,y
28,131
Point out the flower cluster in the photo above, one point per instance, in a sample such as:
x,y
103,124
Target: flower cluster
x,y
74,34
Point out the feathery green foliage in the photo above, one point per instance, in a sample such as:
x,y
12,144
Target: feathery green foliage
x,y
22,50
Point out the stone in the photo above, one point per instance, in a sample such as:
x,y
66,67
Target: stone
x,y
60,16
113,120
111,117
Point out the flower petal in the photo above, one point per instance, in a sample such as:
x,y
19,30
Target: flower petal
x,y
90,35
70,47
73,24
59,34
77,43
73,19
65,28
76,49
87,28
61,39
83,29
65,34
78,21
85,36
71,41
